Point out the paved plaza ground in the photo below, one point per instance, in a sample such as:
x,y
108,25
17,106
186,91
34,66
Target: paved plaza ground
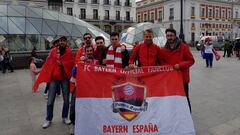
x,y
214,93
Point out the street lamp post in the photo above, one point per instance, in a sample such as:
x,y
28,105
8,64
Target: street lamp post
x,y
181,35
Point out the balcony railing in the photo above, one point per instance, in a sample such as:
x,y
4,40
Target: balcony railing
x,y
95,1
117,3
128,4
89,17
128,19
106,2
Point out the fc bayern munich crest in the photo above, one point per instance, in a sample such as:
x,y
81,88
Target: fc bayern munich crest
x,y
129,100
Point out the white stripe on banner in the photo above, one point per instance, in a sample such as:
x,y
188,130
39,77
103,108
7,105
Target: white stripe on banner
x,y
164,116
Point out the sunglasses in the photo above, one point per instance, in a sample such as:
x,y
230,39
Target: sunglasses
x,y
99,42
87,38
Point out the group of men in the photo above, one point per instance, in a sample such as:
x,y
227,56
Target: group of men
x,y
146,53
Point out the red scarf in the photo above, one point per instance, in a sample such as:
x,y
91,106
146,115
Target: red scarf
x,y
114,58
67,60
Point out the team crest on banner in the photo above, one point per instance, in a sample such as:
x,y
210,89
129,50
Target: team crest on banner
x,y
129,100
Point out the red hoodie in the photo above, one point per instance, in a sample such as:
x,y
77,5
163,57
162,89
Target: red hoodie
x,y
180,55
148,55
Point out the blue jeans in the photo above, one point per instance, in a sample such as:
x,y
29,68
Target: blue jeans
x,y
52,94
209,59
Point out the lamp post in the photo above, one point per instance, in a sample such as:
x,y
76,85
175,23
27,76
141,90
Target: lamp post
x,y
181,35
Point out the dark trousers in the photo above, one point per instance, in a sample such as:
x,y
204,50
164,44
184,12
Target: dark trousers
x,y
7,65
186,89
72,107
209,59
47,87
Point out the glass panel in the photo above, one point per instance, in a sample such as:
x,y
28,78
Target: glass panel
x,y
45,44
34,12
72,42
19,22
3,23
62,31
37,23
46,29
13,29
65,18
53,25
67,26
16,10
30,29
16,42
3,10
76,32
33,41
49,15
2,31
82,29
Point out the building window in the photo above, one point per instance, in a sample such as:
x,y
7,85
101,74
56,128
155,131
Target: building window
x,y
171,17
127,3
117,15
106,2
139,18
193,11
145,17
223,13
95,14
127,15
82,13
217,14
236,14
69,11
229,14
106,16
152,17
210,13
202,12
117,3
160,16
95,2
82,1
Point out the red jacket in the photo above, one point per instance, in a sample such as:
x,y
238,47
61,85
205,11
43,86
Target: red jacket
x,y
147,55
182,56
52,71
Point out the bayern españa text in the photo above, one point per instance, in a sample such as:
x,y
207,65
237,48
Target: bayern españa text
x,y
147,128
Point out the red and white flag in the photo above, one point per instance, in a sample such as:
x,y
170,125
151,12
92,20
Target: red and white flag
x,y
143,101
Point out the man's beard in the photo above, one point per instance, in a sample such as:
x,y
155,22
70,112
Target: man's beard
x,y
171,41
88,43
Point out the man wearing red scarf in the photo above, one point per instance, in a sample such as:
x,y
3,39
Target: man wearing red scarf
x,y
117,54
57,71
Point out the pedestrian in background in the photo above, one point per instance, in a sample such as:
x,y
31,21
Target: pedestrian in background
x,y
33,70
208,52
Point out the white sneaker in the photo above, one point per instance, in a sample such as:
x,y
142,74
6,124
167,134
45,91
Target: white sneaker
x,y
66,121
71,129
46,124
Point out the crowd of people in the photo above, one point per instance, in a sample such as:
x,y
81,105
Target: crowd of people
x,y
60,68
5,59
